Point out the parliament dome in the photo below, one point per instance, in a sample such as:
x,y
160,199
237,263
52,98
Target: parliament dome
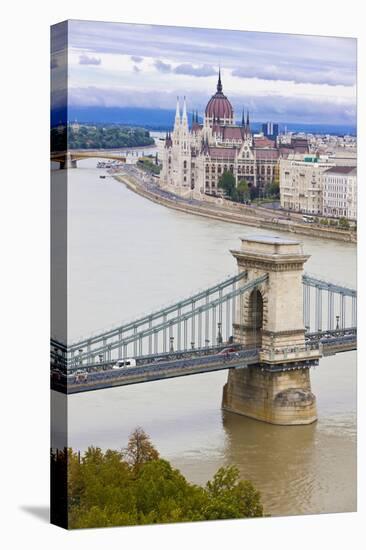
x,y
219,107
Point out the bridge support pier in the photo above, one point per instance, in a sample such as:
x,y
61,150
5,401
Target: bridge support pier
x,y
68,162
275,397
270,318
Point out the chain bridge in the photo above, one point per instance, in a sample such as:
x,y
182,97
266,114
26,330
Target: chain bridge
x,y
267,325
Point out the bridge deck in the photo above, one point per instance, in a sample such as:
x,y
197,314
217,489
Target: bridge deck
x,y
174,364
169,369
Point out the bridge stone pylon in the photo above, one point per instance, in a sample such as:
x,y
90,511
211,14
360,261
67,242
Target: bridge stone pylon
x,y
278,389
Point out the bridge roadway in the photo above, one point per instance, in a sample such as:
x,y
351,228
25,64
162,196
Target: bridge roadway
x,y
158,371
175,364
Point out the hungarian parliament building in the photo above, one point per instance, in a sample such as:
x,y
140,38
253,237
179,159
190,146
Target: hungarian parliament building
x,y
195,155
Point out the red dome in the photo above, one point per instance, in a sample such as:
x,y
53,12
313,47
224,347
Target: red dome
x,y
219,107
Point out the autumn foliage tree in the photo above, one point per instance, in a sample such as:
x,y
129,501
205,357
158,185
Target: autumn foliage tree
x,y
140,449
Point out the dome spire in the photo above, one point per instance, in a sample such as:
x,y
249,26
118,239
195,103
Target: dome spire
x,y
219,85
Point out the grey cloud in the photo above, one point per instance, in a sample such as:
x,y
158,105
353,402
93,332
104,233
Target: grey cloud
x,y
136,69
188,69
136,58
185,68
89,60
298,74
162,67
335,57
273,107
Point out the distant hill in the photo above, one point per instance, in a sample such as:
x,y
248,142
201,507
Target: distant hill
x,y
163,119
158,119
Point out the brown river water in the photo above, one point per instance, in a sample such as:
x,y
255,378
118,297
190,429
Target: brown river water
x,y
128,256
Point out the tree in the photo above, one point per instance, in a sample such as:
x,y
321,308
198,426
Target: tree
x,y
106,490
254,192
343,223
273,189
231,497
243,191
227,183
140,449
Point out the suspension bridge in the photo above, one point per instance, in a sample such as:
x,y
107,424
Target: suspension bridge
x,y
267,325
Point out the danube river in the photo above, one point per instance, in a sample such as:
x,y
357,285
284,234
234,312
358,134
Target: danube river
x,y
128,256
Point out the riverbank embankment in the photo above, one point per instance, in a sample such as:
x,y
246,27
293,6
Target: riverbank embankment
x,y
251,216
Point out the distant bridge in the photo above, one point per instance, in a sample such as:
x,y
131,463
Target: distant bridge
x,y
68,159
231,325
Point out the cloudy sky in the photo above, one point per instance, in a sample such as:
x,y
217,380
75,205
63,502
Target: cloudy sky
x,y
289,78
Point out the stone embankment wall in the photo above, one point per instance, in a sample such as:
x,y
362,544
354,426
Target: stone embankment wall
x,y
245,215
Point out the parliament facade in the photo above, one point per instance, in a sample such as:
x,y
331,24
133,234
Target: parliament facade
x,y
196,155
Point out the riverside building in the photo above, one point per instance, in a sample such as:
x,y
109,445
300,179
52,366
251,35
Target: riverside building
x,y
195,156
340,192
301,184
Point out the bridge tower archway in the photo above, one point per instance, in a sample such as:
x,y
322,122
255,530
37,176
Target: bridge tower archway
x,y
274,310
251,318
270,318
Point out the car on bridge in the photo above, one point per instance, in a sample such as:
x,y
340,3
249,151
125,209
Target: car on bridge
x,y
229,352
124,363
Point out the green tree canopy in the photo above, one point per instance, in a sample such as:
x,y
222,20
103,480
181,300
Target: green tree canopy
x,y
136,487
88,136
243,191
273,189
343,223
227,183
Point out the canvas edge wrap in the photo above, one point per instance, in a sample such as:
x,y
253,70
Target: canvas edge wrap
x,y
58,119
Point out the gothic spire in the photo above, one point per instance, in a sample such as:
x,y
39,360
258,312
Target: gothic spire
x,y
219,85
248,119
177,111
243,118
184,116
